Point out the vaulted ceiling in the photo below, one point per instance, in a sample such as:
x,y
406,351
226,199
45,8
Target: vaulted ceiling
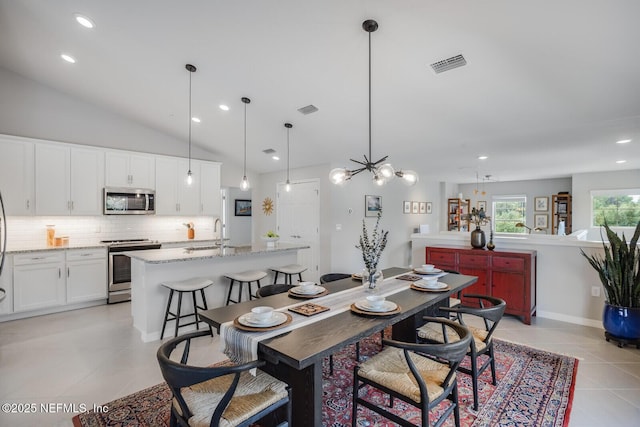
x,y
548,88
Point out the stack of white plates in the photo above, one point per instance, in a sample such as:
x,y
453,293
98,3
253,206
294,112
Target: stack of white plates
x,y
385,307
427,285
307,290
249,320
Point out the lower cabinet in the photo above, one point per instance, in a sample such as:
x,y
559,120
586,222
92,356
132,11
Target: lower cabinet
x,y
58,278
510,275
38,280
86,275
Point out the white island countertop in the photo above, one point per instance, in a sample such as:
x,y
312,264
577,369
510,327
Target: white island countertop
x,y
191,253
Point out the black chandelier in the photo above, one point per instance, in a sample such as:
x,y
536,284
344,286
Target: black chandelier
x,y
382,172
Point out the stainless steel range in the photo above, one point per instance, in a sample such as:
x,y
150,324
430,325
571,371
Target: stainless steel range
x,y
120,266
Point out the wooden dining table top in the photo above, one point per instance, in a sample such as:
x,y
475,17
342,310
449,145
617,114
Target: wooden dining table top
x,y
306,345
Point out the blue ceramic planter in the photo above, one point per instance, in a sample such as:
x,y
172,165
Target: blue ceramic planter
x,y
622,322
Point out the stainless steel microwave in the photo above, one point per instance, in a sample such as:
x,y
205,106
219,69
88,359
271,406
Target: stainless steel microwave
x,y
129,201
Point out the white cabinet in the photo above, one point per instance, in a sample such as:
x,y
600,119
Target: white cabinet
x,y
6,283
16,175
173,195
129,170
86,275
210,197
38,280
68,180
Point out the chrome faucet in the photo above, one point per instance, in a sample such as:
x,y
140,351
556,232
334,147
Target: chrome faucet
x,y
215,228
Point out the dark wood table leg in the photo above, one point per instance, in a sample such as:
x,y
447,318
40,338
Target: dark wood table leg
x,y
306,391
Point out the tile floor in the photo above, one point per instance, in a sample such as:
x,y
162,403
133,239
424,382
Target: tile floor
x,y
94,355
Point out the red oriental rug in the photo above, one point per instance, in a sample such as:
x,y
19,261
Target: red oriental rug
x,y
535,388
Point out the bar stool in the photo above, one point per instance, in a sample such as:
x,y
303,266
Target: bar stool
x,y
288,271
192,285
244,277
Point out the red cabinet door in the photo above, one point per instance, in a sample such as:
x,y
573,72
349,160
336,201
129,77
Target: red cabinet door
x,y
510,287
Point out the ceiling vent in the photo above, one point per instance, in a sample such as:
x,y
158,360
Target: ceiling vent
x,y
448,64
269,151
308,109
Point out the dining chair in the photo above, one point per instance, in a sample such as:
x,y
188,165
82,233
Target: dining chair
x,y
420,374
276,288
224,395
490,310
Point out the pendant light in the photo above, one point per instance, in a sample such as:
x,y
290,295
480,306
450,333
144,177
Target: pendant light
x,y
191,69
381,172
287,186
244,185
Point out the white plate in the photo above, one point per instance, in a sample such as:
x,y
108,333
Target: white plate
x,y
313,290
248,320
425,285
386,306
421,271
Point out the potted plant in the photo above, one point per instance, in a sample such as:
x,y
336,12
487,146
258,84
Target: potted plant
x,y
619,272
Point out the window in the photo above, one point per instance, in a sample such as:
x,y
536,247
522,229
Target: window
x,y
507,211
621,208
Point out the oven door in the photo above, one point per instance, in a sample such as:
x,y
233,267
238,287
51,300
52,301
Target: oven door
x,y
119,272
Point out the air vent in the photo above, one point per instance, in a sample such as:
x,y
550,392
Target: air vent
x,y
269,151
449,64
308,109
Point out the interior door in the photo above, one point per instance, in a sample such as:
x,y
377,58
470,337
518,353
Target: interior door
x,y
298,217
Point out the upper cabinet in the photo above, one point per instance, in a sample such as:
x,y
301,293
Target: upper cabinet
x,y
130,170
16,175
68,180
174,196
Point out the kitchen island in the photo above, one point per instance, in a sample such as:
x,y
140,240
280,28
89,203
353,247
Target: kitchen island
x,y
150,268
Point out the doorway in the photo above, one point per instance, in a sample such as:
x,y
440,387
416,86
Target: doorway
x,y
298,221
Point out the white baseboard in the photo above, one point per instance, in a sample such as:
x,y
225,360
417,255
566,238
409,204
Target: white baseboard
x,y
570,319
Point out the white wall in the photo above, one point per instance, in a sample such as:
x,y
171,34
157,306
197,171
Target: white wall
x,y
239,227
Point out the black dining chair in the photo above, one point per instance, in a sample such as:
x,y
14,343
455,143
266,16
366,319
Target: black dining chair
x,y
422,375
225,395
490,311
276,288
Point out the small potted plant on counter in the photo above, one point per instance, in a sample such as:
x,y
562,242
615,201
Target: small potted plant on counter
x,y
619,272
271,238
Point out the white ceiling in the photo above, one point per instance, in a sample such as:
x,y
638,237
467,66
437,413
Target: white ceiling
x,y
548,89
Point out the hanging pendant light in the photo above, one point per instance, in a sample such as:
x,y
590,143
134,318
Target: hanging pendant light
x,y
382,172
244,185
191,69
287,186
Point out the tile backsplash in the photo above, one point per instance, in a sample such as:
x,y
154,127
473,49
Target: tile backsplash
x,y
25,232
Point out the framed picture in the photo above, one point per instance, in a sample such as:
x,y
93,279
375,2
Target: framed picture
x,y
372,205
406,207
242,207
541,204
482,204
541,221
415,207
429,208
423,207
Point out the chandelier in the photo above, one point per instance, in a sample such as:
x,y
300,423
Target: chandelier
x,y
382,171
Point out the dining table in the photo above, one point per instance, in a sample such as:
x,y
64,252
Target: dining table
x,y
296,356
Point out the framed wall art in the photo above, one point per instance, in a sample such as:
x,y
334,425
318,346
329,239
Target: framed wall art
x,y
541,221
541,204
406,207
372,205
482,204
242,207
415,207
429,208
423,207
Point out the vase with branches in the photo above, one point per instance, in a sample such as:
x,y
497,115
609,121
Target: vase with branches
x,y
371,248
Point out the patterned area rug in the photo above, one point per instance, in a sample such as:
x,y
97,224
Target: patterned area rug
x,y
535,388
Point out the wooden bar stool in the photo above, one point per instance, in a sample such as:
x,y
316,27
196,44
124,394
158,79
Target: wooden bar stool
x,y
288,271
192,286
244,277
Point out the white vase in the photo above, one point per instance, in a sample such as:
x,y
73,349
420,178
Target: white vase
x,y
371,280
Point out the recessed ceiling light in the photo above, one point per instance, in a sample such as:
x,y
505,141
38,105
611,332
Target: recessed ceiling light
x,y
224,107
195,119
70,59
623,141
483,157
621,161
274,157
84,21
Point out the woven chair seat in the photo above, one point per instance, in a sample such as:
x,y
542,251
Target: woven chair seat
x,y
434,333
254,393
389,368
454,301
